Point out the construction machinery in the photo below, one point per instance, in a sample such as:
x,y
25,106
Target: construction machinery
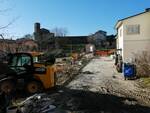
x,y
27,71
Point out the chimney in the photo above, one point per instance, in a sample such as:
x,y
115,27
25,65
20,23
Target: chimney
x,y
147,10
37,27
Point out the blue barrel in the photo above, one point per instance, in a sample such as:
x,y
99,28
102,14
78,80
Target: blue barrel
x,y
129,70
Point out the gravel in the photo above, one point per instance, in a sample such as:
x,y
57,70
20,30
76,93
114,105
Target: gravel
x,y
100,76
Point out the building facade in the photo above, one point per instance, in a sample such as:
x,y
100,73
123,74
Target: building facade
x,y
8,46
44,38
133,35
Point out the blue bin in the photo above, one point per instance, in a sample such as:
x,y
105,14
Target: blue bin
x,y
129,70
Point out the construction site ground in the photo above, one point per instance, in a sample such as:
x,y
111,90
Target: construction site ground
x,y
99,88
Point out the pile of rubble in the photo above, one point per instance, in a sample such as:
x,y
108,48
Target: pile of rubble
x,y
38,103
44,103
67,69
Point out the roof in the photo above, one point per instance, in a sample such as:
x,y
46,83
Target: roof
x,y
23,40
7,40
120,21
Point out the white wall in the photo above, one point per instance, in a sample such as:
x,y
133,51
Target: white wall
x,y
120,40
135,43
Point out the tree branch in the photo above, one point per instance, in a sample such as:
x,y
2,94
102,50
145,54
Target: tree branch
x,y
10,23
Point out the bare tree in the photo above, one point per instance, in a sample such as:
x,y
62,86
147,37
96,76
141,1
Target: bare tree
x,y
10,23
5,44
60,31
4,11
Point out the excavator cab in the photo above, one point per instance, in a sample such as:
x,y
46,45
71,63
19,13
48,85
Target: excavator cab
x,y
21,63
33,74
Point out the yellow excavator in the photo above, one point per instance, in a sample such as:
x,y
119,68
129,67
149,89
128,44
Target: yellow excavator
x,y
28,71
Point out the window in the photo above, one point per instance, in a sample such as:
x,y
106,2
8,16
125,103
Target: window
x,y
14,61
26,60
20,60
133,29
35,59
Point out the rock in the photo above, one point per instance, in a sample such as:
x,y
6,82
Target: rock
x,y
128,102
38,103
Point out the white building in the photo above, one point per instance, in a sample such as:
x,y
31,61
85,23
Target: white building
x,y
133,35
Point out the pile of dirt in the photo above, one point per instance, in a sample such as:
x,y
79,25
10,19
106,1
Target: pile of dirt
x,y
69,71
38,103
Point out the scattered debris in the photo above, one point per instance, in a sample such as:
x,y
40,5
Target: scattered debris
x,y
87,72
38,103
130,102
66,70
93,90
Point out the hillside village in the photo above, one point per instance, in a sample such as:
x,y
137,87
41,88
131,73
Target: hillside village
x,y
44,40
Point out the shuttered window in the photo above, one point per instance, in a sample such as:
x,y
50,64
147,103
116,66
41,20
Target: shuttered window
x,y
132,29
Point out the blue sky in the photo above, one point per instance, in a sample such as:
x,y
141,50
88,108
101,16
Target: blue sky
x,y
80,17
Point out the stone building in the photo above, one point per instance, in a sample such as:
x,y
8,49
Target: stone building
x,y
44,38
47,41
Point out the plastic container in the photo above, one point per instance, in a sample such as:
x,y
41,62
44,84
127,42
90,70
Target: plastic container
x,y
129,70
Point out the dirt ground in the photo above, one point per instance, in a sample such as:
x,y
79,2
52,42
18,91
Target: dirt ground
x,y
100,75
100,89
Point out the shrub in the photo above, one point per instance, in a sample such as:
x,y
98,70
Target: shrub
x,y
142,62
